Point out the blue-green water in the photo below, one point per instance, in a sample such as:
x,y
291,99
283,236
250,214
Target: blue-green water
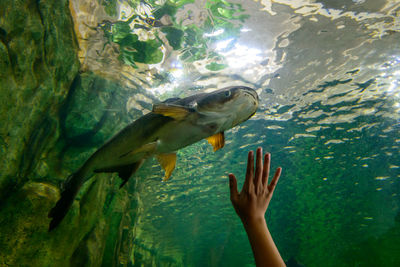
x,y
327,74
338,197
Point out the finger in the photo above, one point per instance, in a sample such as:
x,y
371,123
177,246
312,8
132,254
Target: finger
x,y
259,170
274,181
249,173
233,187
267,160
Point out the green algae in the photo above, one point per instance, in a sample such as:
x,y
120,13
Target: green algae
x,y
189,39
38,68
174,36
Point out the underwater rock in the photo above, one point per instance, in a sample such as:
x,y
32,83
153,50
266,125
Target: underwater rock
x,y
38,67
92,111
38,63
79,241
23,222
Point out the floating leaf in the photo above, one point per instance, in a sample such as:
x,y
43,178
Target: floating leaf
x,y
190,39
120,30
227,13
129,40
194,35
216,66
110,7
148,52
174,36
167,9
134,50
128,58
180,3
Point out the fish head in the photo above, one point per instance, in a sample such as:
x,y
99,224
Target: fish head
x,y
229,107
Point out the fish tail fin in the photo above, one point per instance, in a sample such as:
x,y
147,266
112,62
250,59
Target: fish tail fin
x,y
70,190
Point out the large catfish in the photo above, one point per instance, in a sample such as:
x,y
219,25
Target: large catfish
x,y
172,125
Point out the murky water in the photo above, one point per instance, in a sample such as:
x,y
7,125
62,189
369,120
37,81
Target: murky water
x,y
328,75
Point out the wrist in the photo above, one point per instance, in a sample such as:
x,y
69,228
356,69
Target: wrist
x,y
253,222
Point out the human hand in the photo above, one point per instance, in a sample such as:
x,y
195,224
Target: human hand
x,y
252,202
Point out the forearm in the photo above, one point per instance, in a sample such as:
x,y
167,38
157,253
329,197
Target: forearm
x,y
263,246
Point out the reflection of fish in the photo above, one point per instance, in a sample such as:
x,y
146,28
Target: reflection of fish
x,y
172,125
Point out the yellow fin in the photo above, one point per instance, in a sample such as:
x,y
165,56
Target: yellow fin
x,y
175,112
217,140
167,162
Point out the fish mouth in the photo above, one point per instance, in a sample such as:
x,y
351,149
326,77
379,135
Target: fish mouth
x,y
251,115
251,92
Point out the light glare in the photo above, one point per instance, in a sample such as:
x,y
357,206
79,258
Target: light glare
x,y
216,33
223,44
242,56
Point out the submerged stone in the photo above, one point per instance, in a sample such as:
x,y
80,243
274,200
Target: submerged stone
x,y
38,65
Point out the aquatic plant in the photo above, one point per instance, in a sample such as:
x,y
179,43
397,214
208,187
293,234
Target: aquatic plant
x,y
194,41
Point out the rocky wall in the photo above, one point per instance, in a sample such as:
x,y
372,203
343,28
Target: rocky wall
x,y
41,142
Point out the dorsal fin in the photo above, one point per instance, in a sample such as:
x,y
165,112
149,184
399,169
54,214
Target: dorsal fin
x,y
171,100
174,111
217,140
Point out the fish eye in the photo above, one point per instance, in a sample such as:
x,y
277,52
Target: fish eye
x,y
228,93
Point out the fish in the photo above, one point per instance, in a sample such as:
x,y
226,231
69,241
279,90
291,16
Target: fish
x,y
171,125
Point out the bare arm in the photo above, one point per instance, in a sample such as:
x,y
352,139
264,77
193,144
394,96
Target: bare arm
x,y
251,204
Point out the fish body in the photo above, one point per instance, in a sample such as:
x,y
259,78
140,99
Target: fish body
x,y
172,125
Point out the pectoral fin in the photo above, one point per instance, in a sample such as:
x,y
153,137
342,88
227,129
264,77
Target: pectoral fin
x,y
167,162
173,111
217,140
124,172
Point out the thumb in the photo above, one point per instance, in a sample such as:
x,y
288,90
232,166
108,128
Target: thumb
x,y
233,187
